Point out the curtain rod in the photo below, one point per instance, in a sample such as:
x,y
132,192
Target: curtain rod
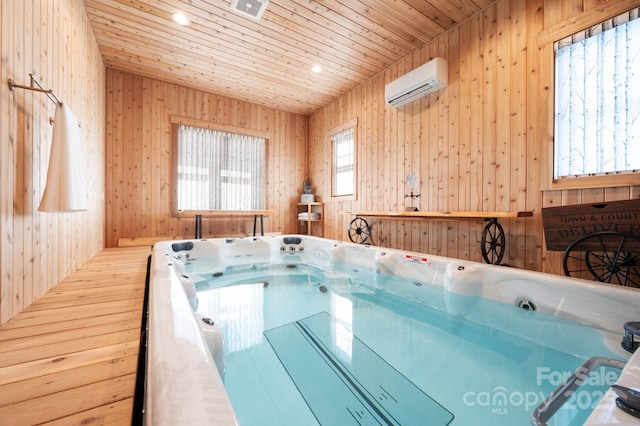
x,y
40,88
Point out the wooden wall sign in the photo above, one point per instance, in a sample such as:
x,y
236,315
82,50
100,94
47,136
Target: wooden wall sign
x,y
565,224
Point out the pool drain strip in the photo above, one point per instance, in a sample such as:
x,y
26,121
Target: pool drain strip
x,y
349,384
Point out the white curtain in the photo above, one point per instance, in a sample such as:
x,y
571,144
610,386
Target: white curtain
x,y
219,170
598,99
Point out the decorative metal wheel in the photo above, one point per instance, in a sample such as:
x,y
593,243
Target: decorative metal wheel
x,y
358,230
492,243
610,257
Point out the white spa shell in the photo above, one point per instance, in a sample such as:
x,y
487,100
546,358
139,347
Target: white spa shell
x,y
183,383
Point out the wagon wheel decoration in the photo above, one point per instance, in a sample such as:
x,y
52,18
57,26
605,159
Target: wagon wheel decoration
x,y
492,242
358,230
610,257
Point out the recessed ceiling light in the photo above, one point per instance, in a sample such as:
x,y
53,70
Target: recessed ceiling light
x,y
180,18
316,68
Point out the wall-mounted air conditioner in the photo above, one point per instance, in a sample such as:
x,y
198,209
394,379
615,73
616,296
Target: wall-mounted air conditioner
x,y
426,79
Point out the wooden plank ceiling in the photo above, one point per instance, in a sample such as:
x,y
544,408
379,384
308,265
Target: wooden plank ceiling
x,y
269,61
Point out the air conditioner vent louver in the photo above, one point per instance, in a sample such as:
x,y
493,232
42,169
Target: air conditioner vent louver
x,y
252,8
420,82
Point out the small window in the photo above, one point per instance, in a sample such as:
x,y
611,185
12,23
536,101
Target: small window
x,y
343,163
219,170
597,100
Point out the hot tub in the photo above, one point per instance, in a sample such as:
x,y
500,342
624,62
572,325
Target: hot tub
x,y
460,319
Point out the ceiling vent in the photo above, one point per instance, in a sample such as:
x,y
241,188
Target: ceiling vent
x,y
252,8
420,82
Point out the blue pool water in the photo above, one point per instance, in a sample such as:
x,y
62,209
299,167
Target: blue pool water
x,y
338,346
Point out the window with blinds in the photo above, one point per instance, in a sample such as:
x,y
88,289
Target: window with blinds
x,y
219,170
597,99
343,163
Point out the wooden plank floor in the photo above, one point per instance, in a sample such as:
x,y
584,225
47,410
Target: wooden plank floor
x,y
70,358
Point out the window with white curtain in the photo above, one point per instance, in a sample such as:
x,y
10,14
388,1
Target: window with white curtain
x,y
219,170
597,99
343,163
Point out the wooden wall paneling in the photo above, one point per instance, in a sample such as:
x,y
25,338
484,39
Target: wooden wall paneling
x,y
412,161
357,111
593,195
89,89
503,106
287,180
145,182
517,146
476,66
617,193
383,228
551,260
183,107
147,145
128,154
24,167
440,155
31,263
48,232
316,164
302,135
136,193
19,167
64,223
489,113
64,85
41,228
7,131
272,155
367,147
110,129
378,153
537,133
481,143
164,98
434,231
25,179
503,169
281,178
400,139
449,47
351,109
38,249
7,172
571,8
424,164
553,12
113,152
570,197
590,4
312,159
268,124
415,161
296,129
463,129
366,180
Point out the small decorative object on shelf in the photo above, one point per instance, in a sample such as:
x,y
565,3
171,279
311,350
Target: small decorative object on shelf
x,y
307,196
411,183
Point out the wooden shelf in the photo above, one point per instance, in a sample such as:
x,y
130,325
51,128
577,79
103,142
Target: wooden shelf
x,y
310,226
443,215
